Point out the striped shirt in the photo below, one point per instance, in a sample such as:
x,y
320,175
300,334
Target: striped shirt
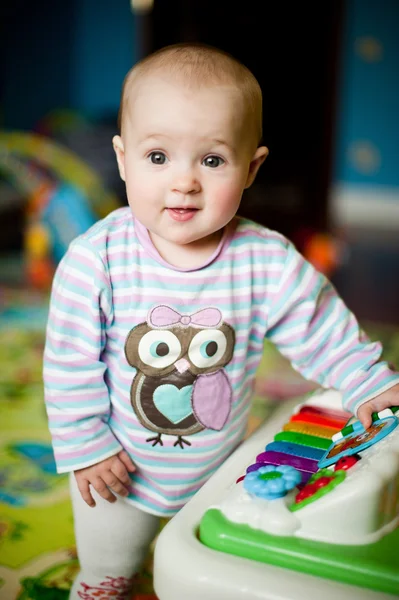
x,y
161,361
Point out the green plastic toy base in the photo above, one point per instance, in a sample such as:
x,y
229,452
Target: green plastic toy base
x,y
374,566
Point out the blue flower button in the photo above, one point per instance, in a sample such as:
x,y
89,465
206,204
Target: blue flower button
x,y
271,482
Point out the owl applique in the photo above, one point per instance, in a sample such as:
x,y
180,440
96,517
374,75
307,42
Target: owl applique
x,y
180,387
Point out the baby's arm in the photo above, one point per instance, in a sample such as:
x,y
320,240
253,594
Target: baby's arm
x,y
311,325
111,473
76,394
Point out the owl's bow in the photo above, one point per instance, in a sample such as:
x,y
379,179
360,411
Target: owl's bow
x,y
164,316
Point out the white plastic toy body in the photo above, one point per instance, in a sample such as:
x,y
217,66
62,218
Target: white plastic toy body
x,y
184,568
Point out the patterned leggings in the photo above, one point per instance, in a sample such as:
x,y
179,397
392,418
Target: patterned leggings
x,y
112,542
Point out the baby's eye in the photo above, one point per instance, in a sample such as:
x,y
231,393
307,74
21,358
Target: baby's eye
x,y
213,161
157,158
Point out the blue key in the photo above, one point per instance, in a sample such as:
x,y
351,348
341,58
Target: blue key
x,y
296,450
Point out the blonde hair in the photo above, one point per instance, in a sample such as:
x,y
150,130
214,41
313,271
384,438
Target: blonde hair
x,y
196,65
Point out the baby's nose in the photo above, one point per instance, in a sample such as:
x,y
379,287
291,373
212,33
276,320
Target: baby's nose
x,y
186,183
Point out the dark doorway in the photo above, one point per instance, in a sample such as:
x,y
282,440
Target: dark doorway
x,y
292,48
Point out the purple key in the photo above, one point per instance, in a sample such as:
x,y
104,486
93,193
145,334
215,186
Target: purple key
x,y
270,457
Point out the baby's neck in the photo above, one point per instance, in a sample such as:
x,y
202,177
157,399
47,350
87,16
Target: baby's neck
x,y
187,256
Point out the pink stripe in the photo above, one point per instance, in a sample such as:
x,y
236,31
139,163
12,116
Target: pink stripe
x,y
79,259
77,304
371,383
90,447
211,278
78,434
77,262
338,333
269,236
307,315
365,391
121,229
184,487
161,506
83,361
299,271
78,379
64,344
77,328
158,296
85,286
346,364
83,396
70,419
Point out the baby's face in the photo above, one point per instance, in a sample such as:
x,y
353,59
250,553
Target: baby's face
x,y
186,159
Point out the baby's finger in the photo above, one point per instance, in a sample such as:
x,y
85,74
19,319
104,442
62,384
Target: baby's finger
x,y
119,470
115,484
102,488
364,415
84,489
127,461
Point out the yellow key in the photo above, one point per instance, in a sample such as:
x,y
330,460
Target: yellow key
x,y
310,429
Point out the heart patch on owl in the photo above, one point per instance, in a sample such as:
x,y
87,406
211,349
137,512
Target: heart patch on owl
x,y
172,402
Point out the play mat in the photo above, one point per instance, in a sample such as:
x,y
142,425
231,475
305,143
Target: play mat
x,y
37,553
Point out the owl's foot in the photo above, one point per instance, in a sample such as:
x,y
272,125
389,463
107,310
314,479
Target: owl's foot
x,y
155,440
180,441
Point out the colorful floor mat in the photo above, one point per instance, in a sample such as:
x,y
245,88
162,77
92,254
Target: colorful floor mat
x,y
37,554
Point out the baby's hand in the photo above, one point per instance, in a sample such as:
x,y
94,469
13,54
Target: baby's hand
x,y
385,400
109,473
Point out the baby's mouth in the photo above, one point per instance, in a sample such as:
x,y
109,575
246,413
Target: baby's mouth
x,y
182,209
182,214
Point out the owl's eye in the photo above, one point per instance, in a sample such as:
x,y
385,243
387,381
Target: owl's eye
x,y
159,348
207,348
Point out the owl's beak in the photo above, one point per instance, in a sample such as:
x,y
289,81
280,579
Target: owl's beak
x,y
182,365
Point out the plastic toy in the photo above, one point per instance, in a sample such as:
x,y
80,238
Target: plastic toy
x,y
64,197
331,522
354,438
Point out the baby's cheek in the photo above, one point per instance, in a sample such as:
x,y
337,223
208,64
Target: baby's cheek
x,y
228,197
141,189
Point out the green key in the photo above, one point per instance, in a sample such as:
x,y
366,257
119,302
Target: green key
x,y
304,439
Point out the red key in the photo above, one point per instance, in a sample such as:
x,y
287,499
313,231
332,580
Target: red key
x,y
319,420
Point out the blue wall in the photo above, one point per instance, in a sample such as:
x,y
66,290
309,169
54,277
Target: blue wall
x,y
102,52
70,55
367,142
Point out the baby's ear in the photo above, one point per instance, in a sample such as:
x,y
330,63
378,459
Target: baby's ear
x,y
120,154
258,158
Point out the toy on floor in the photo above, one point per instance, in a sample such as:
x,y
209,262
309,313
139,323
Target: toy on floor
x,y
321,498
65,196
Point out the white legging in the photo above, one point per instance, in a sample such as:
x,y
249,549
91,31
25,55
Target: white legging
x,y
112,542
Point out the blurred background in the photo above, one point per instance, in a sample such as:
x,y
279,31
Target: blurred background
x,y
330,77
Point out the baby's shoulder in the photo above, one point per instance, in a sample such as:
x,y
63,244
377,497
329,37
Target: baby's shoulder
x,y
252,234
116,222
